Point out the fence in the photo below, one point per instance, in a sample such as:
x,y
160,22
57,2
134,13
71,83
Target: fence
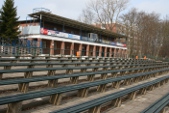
x,y
19,50
18,47
7,50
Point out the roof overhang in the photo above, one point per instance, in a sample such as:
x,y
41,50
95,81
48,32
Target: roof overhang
x,y
46,16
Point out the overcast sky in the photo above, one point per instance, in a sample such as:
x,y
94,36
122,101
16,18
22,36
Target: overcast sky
x,y
72,8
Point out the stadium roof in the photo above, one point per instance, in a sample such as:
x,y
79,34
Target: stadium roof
x,y
47,16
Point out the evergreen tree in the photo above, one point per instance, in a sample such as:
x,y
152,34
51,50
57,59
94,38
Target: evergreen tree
x,y
9,25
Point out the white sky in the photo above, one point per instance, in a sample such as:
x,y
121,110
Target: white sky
x,y
72,8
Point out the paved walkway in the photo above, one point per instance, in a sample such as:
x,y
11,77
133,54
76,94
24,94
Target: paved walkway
x,y
142,101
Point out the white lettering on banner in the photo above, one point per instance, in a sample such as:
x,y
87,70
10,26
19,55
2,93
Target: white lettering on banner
x,y
74,37
61,34
52,33
119,44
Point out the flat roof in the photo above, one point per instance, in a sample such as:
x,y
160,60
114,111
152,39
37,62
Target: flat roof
x,y
75,24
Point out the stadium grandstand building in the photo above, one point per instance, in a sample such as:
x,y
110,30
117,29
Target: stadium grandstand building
x,y
56,35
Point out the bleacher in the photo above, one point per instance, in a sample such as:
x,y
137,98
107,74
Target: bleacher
x,y
54,78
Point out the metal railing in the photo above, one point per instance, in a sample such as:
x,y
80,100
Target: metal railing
x,y
8,50
19,50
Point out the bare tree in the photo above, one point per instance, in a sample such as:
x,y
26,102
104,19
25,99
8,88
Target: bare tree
x,y
87,16
144,32
127,25
147,34
103,12
149,29
165,36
